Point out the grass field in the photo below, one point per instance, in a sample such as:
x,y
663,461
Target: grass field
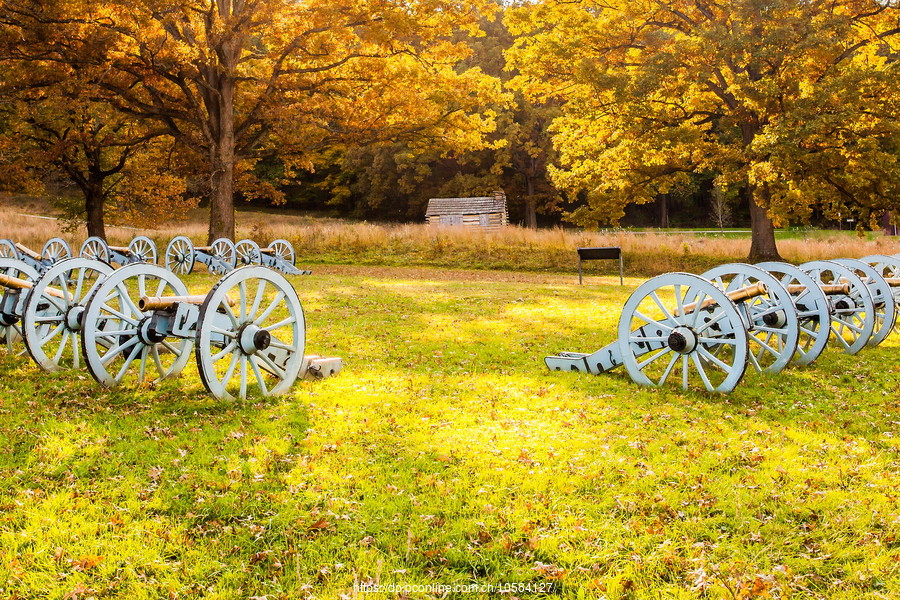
x,y
445,453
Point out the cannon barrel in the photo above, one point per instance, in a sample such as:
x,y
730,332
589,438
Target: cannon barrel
x,y
739,295
170,302
829,289
28,251
23,284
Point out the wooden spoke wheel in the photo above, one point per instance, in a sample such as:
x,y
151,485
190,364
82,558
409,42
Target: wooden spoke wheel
x,y
256,346
882,298
696,332
283,250
773,327
10,314
248,253
95,248
889,267
812,306
8,249
852,314
143,249
180,255
55,250
118,339
51,321
223,249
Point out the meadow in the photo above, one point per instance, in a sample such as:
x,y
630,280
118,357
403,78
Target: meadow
x,y
446,454
325,241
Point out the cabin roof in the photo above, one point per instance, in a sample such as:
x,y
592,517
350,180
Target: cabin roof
x,y
466,206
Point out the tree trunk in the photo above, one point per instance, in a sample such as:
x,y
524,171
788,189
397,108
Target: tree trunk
x,y
221,197
663,202
530,205
762,232
94,201
221,160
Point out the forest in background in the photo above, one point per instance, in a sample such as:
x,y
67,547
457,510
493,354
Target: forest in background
x,y
627,113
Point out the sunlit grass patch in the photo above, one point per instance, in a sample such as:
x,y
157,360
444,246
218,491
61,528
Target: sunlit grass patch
x,y
446,452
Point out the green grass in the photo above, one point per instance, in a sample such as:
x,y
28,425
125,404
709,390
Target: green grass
x,y
446,453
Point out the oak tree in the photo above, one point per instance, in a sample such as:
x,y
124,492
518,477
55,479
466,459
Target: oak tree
x,y
790,103
241,80
54,123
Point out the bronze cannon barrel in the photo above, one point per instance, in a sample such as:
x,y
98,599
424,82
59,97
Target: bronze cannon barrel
x,y
744,293
170,302
23,284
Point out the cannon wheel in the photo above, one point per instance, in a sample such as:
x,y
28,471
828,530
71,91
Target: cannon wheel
x,y
144,249
180,255
11,325
853,315
267,314
248,253
773,326
882,297
95,248
889,267
114,339
55,250
706,347
812,308
284,250
224,250
8,250
52,325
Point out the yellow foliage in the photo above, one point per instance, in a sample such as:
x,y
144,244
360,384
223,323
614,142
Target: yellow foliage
x,y
794,100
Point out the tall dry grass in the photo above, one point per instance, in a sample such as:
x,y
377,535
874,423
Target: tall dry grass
x,y
329,241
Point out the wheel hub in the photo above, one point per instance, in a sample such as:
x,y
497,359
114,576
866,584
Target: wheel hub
x,y
253,339
73,318
775,319
682,340
147,334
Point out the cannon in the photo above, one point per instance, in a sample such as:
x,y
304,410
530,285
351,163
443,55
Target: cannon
x,y
811,305
675,325
52,315
53,251
278,255
45,309
852,313
16,279
140,250
248,334
220,257
889,268
770,318
885,307
704,330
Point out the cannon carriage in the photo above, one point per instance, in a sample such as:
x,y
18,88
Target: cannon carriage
x,y
138,324
55,250
703,331
140,250
278,255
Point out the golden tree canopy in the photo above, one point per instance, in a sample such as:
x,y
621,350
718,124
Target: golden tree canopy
x,y
794,101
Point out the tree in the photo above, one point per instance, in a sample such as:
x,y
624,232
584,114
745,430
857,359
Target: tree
x,y
391,181
240,80
789,103
52,122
